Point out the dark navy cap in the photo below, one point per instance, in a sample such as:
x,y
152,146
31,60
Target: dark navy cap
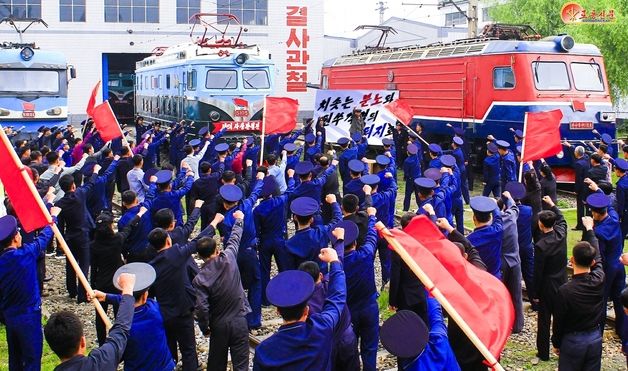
x,y
310,138
388,142
303,168
163,176
404,334
482,204
370,179
356,137
344,140
148,173
433,173
202,131
145,275
621,164
517,190
492,147
231,193
221,147
519,134
269,187
459,131
8,227
607,139
290,147
433,147
426,183
459,141
412,149
502,144
598,200
351,232
304,206
356,166
382,160
195,142
448,160
290,288
88,168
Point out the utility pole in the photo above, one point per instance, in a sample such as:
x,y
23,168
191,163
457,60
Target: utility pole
x,y
381,7
472,17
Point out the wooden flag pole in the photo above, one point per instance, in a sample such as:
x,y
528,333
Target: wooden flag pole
x,y
261,151
523,146
435,292
417,134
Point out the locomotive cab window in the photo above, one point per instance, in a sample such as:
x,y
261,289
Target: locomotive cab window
x,y
587,76
550,76
221,79
503,78
191,80
255,79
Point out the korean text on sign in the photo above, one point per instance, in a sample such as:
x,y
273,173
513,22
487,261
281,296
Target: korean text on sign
x,y
297,55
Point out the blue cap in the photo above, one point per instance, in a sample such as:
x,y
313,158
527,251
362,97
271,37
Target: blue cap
x,y
502,144
412,149
433,147
598,200
269,187
356,166
343,141
250,140
482,204
370,179
290,147
88,168
517,190
148,173
382,160
310,138
202,131
304,206
459,141
621,164
231,193
351,232
459,131
290,288
519,134
356,137
491,147
607,139
145,275
221,147
388,142
195,142
433,173
404,334
448,160
426,183
8,227
303,168
163,176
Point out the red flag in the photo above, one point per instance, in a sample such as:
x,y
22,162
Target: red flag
x,y
25,200
106,123
217,127
280,115
401,110
479,298
92,100
541,133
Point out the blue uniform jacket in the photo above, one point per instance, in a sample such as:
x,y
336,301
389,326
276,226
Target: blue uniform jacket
x,y
98,200
508,170
382,200
524,227
611,242
248,238
172,200
354,186
622,197
458,153
437,202
487,240
137,240
435,163
360,270
314,187
271,214
411,168
491,170
343,162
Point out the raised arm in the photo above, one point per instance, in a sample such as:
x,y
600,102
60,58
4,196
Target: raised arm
x,y
337,292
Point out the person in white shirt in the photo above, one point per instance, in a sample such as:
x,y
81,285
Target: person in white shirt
x,y
193,159
279,172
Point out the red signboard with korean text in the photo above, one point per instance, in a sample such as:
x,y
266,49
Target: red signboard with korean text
x,y
297,56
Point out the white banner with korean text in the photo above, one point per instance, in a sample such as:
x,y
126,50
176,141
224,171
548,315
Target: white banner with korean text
x,y
336,108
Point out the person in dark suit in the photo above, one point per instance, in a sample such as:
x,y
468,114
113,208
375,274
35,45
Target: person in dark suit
x,y
125,164
331,187
597,172
580,163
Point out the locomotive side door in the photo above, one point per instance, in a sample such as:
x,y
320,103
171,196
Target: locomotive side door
x,y
470,89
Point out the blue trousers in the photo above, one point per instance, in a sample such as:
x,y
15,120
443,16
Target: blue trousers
x,y
250,272
366,326
465,186
511,277
268,249
407,197
457,210
25,341
384,259
581,351
495,188
526,253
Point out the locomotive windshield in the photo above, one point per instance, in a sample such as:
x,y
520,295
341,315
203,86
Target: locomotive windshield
x,y
255,79
20,81
550,76
221,79
587,76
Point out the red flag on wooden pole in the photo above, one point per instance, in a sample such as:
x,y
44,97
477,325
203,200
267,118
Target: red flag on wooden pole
x,y
401,110
92,100
106,122
541,135
280,115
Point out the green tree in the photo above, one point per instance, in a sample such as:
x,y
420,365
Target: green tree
x,y
544,17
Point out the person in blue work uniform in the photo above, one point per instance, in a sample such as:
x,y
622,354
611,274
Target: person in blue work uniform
x,y
310,186
611,242
313,142
621,194
362,294
146,348
361,144
151,149
354,185
452,181
406,336
461,161
411,171
221,150
426,196
388,145
384,165
308,238
491,171
303,342
166,197
270,223
20,304
348,154
98,200
293,153
435,151
508,164
487,234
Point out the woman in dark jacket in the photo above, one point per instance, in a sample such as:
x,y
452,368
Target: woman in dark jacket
x,y
106,258
533,198
548,181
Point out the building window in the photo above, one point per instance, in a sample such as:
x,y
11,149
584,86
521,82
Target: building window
x,y
249,12
20,8
455,18
72,10
132,11
486,17
186,9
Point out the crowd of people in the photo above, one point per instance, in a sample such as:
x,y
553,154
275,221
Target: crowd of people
x,y
245,197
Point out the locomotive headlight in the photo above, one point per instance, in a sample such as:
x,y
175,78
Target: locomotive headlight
x,y
54,111
27,54
565,42
608,116
560,154
241,58
214,116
